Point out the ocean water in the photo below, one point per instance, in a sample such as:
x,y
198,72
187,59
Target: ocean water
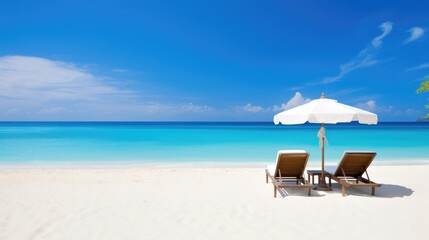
x,y
190,142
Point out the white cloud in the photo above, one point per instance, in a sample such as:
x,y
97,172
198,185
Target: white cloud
x,y
365,58
416,33
34,88
40,79
386,28
372,106
421,66
295,101
251,108
390,113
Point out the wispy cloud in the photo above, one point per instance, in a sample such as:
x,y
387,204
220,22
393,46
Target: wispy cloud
x,y
365,58
40,79
386,28
39,88
346,91
389,112
295,88
250,108
120,70
421,66
416,33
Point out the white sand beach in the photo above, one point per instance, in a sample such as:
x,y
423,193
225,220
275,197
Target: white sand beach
x,y
209,203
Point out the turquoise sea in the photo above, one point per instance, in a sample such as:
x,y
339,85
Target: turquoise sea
x,y
208,142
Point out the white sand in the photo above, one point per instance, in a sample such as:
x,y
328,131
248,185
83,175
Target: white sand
x,y
206,204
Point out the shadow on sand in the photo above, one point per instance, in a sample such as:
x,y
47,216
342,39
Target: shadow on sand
x,y
285,192
393,191
385,191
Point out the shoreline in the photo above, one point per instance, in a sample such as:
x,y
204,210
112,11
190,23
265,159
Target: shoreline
x,y
179,165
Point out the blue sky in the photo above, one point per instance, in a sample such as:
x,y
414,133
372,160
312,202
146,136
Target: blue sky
x,y
210,61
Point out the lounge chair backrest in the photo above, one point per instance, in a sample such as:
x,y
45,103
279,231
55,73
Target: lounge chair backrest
x,y
291,163
354,164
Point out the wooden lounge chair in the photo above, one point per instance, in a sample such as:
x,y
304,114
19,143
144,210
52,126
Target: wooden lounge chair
x,y
289,168
350,170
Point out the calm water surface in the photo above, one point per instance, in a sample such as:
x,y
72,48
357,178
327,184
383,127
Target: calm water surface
x,y
30,142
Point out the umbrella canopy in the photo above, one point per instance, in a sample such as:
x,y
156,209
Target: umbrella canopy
x,y
325,111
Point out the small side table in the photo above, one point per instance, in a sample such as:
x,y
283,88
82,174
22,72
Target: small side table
x,y
312,173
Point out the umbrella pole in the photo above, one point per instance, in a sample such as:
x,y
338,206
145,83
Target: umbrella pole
x,y
322,182
323,154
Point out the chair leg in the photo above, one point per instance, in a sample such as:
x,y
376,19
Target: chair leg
x,y
266,178
275,191
343,190
309,191
373,191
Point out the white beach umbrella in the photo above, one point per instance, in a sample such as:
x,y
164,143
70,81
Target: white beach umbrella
x,y
323,111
